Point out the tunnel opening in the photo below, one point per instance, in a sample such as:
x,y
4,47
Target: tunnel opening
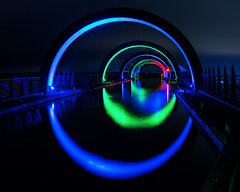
x,y
151,71
101,19
151,51
136,69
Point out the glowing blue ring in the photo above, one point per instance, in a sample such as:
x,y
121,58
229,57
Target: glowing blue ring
x,y
107,168
143,56
88,27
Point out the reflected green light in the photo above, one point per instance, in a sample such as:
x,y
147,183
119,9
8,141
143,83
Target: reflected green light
x,y
141,93
127,119
134,46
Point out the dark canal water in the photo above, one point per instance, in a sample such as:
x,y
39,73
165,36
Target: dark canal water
x,y
131,135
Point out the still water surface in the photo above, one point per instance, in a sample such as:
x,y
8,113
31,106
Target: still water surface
x,y
134,134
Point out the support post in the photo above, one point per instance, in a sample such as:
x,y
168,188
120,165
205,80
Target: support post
x,y
209,80
225,84
233,85
219,84
213,82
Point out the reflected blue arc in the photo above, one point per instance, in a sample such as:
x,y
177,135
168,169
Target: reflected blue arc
x,y
88,27
112,168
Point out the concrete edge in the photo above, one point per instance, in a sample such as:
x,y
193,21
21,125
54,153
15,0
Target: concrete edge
x,y
219,100
21,107
224,174
52,97
219,143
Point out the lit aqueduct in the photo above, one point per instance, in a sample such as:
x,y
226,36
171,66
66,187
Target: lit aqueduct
x,y
154,54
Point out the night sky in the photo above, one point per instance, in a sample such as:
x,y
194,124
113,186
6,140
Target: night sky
x,y
29,27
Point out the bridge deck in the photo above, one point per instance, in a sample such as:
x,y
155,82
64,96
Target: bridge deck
x,y
223,120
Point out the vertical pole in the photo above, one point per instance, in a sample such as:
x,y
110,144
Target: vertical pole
x,y
209,80
225,83
206,81
22,92
213,81
72,82
11,85
58,79
39,84
203,81
63,79
68,83
31,83
233,85
219,85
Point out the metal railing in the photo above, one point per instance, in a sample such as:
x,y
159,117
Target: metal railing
x,y
65,80
225,87
19,86
16,85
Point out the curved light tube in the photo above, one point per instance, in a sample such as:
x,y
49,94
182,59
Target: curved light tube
x,y
136,68
134,46
95,24
112,168
144,55
140,97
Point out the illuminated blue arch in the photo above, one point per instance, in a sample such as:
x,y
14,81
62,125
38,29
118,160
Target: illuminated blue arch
x,y
104,21
112,168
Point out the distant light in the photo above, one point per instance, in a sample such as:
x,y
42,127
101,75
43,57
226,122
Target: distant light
x,y
52,87
168,69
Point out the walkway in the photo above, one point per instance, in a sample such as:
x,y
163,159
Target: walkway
x,y
223,120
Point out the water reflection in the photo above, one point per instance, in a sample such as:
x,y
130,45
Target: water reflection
x,y
140,107
116,169
20,121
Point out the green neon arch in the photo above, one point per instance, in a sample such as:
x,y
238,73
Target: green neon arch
x,y
145,62
134,46
129,120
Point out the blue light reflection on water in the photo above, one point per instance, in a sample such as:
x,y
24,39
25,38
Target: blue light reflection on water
x,y
144,100
113,169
